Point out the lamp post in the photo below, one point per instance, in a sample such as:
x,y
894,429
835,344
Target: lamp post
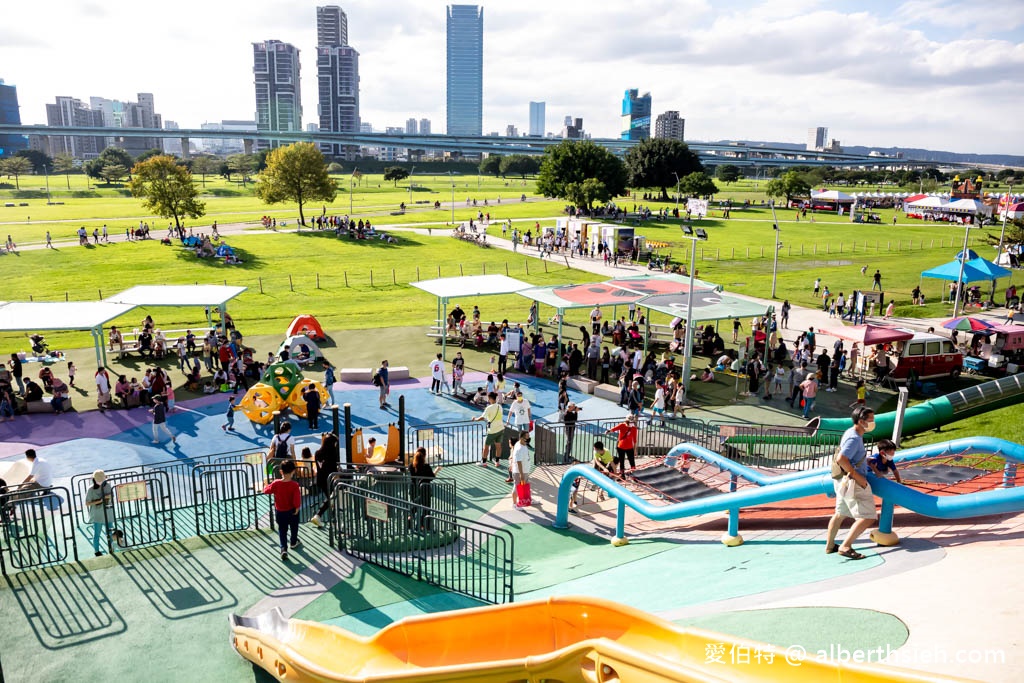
x,y
775,263
677,191
688,233
451,179
960,278
410,184
1002,233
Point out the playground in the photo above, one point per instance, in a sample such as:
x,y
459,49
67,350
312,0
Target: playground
x,y
712,550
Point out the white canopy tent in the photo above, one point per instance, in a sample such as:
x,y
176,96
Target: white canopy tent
x,y
448,288
969,206
832,196
207,296
52,316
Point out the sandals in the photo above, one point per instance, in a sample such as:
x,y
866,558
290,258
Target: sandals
x,y
832,549
851,554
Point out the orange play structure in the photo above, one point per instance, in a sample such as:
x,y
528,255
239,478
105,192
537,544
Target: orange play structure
x,y
381,454
307,325
568,639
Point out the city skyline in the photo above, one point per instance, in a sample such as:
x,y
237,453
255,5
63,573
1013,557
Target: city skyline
x,y
923,73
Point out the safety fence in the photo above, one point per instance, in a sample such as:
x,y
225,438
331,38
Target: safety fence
x,y
414,539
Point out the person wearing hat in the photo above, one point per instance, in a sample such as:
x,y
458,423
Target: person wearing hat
x,y
97,508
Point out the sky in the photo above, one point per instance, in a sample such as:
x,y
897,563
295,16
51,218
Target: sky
x,y
935,74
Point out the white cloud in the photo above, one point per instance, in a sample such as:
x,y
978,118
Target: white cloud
x,y
747,70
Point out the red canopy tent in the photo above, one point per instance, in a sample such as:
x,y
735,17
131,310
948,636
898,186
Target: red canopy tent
x,y
869,335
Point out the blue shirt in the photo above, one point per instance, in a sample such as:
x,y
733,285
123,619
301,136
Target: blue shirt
x,y
881,464
383,373
852,446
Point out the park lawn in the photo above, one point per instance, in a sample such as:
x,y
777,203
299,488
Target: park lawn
x,y
275,261
1004,423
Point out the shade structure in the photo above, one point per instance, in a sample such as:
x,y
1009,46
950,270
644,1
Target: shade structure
x,y
177,295
868,335
23,316
994,272
471,285
929,202
966,323
969,206
832,196
619,291
708,305
952,271
971,255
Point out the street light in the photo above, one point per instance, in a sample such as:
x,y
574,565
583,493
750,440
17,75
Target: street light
x,y
1002,233
677,191
775,263
451,179
700,235
410,184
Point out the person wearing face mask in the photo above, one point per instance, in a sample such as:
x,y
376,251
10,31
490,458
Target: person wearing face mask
x,y
853,492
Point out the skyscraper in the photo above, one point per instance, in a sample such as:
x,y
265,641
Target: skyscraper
x,y
636,115
141,114
9,113
278,94
537,119
465,70
669,125
817,138
424,126
411,127
337,71
331,26
68,111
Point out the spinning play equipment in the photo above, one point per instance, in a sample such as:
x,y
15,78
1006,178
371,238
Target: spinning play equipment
x,y
766,489
569,639
306,325
280,387
381,455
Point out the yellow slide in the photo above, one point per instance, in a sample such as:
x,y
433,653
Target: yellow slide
x,y
555,640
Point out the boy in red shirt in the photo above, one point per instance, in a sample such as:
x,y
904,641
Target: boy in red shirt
x,y
626,446
287,501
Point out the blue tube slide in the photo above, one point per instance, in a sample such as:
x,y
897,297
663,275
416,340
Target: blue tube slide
x,y
811,483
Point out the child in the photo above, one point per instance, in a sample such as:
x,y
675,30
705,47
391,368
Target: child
x,y
490,384
229,426
494,365
602,463
658,404
881,462
71,373
780,374
680,403
862,394
287,501
170,397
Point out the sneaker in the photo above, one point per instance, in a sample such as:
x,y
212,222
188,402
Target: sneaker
x,y
316,521
224,428
296,544
508,480
98,553
284,555
482,463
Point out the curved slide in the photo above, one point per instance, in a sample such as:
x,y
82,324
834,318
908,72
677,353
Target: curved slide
x,y
571,639
810,483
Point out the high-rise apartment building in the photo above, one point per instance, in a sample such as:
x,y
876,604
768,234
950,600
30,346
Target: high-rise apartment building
x,y
411,127
331,26
669,125
817,138
424,126
10,114
118,114
636,115
511,131
573,129
172,145
537,119
278,93
465,70
225,146
337,71
68,111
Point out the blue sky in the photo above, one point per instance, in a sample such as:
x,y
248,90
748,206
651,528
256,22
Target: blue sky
x,y
924,73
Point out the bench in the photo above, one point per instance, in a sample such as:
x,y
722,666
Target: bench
x,y
583,384
45,406
610,392
398,372
355,375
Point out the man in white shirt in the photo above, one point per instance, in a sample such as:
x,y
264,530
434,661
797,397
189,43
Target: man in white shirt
x,y
595,320
495,430
519,466
436,375
519,413
502,354
40,472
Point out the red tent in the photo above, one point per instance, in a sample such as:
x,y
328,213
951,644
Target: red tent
x,y
307,325
869,335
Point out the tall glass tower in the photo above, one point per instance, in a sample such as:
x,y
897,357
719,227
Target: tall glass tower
x,y
278,98
636,115
9,113
465,70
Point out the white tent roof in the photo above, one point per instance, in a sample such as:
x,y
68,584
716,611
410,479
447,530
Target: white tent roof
x,y
471,285
177,295
21,316
832,196
292,344
970,205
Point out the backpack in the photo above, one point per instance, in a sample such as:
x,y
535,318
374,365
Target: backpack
x,y
281,449
376,379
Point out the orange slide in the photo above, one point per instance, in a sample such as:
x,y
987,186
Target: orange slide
x,y
568,639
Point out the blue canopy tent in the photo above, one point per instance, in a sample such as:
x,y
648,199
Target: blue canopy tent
x,y
955,271
993,271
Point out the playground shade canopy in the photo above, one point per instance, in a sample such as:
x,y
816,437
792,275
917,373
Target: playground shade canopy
x,y
470,285
951,271
708,305
616,292
868,335
22,316
177,295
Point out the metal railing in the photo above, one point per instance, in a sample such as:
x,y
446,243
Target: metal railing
x,y
140,512
453,443
226,497
36,529
465,557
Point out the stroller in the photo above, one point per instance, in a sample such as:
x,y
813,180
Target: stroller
x,y
39,345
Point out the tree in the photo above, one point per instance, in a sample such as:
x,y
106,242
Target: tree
x,y
520,165
334,168
243,164
655,162
491,165
396,173
790,184
17,166
113,173
64,163
697,185
205,166
586,193
166,188
41,162
111,156
728,173
149,154
573,161
297,173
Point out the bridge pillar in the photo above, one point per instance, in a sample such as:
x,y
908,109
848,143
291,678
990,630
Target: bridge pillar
x,y
184,149
247,145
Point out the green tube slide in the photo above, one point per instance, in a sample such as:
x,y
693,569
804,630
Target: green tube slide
x,y
918,418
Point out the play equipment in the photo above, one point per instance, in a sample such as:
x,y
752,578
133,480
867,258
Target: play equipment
x,y
280,387
301,349
306,325
382,454
569,639
766,489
